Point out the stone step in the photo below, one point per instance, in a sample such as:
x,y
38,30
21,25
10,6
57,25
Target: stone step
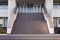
x,y
30,16
30,23
30,37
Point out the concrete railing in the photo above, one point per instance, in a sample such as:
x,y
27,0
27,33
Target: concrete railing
x,y
11,21
48,20
14,18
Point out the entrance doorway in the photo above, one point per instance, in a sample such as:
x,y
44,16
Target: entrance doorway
x,y
30,8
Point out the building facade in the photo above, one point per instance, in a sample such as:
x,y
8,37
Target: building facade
x,y
56,16
10,12
3,14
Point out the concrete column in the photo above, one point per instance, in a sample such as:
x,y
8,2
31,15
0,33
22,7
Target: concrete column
x,y
11,15
12,5
49,7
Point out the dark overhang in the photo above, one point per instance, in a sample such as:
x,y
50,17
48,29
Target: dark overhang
x,y
56,1
5,2
30,1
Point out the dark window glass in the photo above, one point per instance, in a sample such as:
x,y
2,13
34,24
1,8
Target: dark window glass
x,y
59,21
29,5
5,2
3,21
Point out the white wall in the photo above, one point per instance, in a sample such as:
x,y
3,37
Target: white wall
x,y
56,13
3,13
12,5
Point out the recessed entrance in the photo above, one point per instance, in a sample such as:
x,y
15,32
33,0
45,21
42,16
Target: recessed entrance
x,y
30,8
30,19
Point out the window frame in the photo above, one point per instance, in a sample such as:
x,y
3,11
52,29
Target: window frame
x,y
56,22
5,19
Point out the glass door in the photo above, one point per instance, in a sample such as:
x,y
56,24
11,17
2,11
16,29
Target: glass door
x,y
30,8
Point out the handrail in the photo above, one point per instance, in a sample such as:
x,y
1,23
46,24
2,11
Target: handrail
x,y
46,18
12,19
16,12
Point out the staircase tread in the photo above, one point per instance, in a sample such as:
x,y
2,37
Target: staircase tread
x,y
30,24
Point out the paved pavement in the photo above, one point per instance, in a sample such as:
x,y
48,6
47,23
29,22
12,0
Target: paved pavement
x,y
30,37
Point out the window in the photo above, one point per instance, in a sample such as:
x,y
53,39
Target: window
x,y
56,6
55,22
4,2
29,5
59,21
3,21
30,8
